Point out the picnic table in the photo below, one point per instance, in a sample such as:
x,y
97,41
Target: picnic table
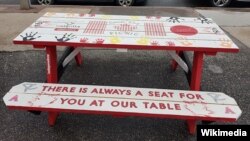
x,y
176,35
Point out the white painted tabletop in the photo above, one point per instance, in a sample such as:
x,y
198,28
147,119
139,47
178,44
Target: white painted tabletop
x,y
132,32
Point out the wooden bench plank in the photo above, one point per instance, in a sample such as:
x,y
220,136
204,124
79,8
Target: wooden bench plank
x,y
124,100
124,92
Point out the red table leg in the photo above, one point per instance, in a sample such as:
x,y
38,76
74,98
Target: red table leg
x,y
195,83
51,59
196,71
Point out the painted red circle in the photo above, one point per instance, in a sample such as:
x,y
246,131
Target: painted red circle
x,y
183,30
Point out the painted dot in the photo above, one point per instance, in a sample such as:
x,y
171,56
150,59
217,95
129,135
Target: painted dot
x,y
184,30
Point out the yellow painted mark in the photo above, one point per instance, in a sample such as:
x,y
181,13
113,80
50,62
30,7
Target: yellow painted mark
x,y
115,40
134,18
226,43
143,41
184,41
106,17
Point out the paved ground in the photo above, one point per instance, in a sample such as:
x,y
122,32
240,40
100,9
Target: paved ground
x,y
228,73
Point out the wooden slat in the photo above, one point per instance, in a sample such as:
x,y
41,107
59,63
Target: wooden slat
x,y
46,22
44,32
123,92
129,41
122,100
127,17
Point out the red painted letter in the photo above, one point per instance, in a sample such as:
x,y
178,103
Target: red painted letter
x,y
14,98
229,111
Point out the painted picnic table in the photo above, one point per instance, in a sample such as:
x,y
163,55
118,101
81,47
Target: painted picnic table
x,y
175,34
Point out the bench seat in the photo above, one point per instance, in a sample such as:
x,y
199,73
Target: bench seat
x,y
123,101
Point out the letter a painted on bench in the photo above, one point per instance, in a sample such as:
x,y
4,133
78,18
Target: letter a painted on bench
x,y
94,103
229,111
14,98
138,93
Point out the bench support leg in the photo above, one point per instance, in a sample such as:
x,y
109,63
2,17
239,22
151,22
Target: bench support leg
x,y
191,126
188,74
52,118
75,53
174,64
51,59
195,83
78,59
60,67
177,60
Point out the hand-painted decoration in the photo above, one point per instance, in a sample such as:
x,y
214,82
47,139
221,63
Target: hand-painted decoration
x,y
41,23
66,37
190,34
125,27
96,27
174,19
226,43
170,43
184,30
69,26
30,36
215,30
205,20
154,29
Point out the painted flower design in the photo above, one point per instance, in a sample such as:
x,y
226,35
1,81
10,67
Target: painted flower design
x,y
155,43
99,41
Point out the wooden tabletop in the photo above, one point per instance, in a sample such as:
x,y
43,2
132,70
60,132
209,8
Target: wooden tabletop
x,y
131,32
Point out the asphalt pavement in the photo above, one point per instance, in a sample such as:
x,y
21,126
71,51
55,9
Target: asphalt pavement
x,y
106,67
225,72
